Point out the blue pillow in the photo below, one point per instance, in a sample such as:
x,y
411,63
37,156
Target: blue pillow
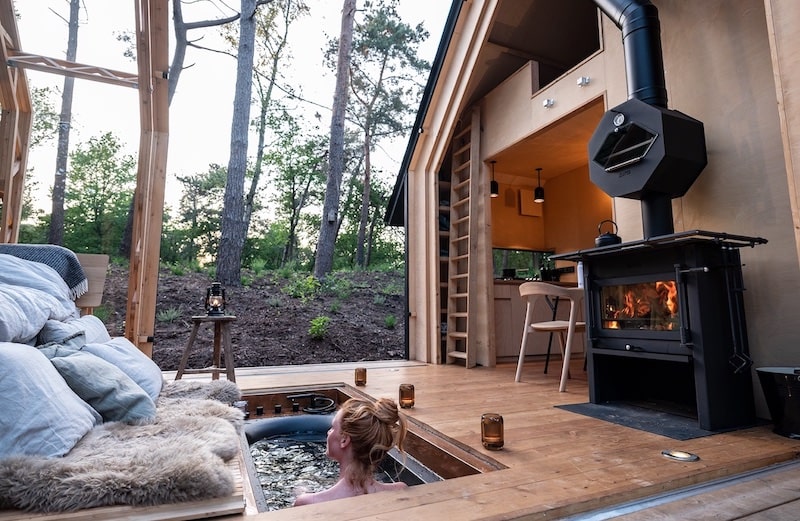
x,y
137,365
39,414
106,388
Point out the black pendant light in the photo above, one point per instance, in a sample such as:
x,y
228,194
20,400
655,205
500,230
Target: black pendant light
x,y
538,193
495,188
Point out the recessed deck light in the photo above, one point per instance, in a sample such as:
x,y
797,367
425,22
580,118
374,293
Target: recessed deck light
x,y
679,455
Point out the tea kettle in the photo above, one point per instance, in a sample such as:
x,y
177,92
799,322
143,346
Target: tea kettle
x,y
607,238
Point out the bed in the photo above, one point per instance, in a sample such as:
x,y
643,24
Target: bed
x,y
87,421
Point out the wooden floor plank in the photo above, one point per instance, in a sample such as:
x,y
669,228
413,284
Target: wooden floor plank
x,y
559,463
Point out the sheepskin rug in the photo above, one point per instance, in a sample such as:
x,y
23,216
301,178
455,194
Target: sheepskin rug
x,y
179,457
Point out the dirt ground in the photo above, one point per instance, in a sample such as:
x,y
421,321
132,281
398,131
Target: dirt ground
x,y
272,327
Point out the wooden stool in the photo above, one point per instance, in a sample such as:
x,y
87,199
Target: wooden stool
x,y
222,339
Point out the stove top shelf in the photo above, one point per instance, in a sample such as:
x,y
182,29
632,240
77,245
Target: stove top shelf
x,y
726,240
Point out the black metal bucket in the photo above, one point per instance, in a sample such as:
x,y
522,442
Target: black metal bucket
x,y
781,386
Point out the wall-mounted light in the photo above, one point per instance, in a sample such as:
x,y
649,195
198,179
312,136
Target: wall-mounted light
x,y
538,193
584,81
548,103
495,188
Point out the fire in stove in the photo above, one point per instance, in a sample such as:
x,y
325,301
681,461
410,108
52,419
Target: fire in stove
x,y
651,306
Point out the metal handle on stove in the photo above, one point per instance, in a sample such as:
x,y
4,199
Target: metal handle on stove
x,y
683,307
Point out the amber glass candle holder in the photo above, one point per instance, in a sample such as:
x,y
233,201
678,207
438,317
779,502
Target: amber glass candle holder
x,y
361,376
406,396
492,431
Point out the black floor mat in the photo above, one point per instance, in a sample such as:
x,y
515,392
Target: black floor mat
x,y
649,420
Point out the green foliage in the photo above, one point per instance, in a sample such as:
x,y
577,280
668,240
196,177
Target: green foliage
x,y
176,269
168,315
393,289
379,300
99,191
304,288
390,321
319,327
194,233
297,170
45,116
258,266
338,285
102,312
335,306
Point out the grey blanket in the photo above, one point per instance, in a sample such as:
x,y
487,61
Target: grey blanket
x,y
61,259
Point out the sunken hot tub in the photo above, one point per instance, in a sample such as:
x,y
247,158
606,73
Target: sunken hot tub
x,y
304,413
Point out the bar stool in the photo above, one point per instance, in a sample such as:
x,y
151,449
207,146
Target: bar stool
x,y
222,342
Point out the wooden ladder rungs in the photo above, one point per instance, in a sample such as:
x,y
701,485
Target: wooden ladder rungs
x,y
457,354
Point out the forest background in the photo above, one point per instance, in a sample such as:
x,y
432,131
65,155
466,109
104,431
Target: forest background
x,y
287,137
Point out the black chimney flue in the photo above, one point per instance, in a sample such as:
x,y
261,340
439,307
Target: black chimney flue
x,y
641,39
642,149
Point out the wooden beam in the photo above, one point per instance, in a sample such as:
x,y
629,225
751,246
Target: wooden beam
x,y
71,69
152,49
15,128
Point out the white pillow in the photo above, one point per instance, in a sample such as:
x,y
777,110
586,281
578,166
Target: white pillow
x,y
138,366
39,414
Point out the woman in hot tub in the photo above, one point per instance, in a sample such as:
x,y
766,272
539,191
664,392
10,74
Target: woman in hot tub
x,y
361,434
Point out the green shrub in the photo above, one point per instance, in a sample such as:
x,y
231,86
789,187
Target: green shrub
x,y
379,300
393,289
304,288
335,306
168,315
102,312
258,266
319,327
336,284
390,321
176,269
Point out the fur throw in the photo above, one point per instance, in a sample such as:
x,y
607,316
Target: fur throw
x,y
179,457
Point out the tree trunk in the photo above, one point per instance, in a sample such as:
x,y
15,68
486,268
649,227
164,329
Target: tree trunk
x,y
234,223
361,261
56,232
327,233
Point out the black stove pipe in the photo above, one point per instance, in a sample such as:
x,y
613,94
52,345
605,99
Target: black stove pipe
x,y
641,39
644,69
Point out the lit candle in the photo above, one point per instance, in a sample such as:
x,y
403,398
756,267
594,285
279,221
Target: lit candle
x,y
361,376
406,396
492,431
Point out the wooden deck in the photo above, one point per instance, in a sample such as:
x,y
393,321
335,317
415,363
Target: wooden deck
x,y
559,463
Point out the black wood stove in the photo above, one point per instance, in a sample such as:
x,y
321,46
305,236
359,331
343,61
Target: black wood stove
x,y
666,326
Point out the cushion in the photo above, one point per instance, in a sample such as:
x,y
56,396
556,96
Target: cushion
x,y
24,311
105,387
126,356
39,414
94,328
74,332
68,333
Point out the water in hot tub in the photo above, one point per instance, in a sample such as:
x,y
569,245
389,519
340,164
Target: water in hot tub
x,y
288,466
